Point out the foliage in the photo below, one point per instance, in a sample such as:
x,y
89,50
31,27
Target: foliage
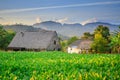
x,y
103,30
87,35
58,66
5,37
66,43
101,39
100,44
115,41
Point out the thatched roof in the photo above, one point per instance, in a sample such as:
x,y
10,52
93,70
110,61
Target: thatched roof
x,y
82,44
32,39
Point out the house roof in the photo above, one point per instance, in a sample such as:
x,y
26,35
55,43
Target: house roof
x,y
75,43
32,39
82,44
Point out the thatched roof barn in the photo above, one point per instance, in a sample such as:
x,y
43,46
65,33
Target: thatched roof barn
x,y
35,40
79,46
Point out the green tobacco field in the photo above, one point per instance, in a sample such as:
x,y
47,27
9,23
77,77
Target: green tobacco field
x,y
58,66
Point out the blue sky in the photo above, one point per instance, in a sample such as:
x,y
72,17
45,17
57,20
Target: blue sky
x,y
64,11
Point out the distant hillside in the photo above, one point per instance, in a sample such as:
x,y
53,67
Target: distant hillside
x,y
73,29
62,37
64,30
18,27
112,27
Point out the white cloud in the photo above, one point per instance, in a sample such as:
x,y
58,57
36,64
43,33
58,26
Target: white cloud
x,y
62,20
89,21
38,20
63,6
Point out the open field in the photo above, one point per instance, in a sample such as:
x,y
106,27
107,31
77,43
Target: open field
x,y
58,66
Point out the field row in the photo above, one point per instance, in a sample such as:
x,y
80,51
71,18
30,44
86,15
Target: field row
x,y
58,66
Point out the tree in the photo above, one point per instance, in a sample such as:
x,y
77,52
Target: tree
x,y
5,38
100,44
115,41
101,39
87,35
65,43
103,30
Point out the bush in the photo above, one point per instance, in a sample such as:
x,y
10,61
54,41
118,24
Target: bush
x,y
5,38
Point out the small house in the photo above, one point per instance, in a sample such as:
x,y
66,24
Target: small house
x,y
80,46
35,41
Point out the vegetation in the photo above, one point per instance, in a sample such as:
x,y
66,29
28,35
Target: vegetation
x,y
101,39
5,37
58,66
103,30
66,43
87,35
115,41
72,39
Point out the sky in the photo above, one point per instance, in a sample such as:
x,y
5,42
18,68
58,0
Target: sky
x,y
63,11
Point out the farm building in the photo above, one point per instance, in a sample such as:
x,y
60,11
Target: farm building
x,y
35,40
80,46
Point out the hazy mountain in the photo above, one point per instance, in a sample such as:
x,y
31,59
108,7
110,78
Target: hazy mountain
x,y
18,27
63,37
71,25
50,25
64,30
73,29
112,27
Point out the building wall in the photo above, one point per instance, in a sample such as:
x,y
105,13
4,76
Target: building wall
x,y
76,50
54,43
73,50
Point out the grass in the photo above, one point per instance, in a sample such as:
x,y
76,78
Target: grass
x,y
58,66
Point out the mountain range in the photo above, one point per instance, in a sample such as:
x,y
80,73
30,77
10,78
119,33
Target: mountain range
x,y
64,30
73,29
18,27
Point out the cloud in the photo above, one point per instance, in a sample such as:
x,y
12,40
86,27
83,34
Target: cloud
x,y
63,6
62,20
38,20
89,21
